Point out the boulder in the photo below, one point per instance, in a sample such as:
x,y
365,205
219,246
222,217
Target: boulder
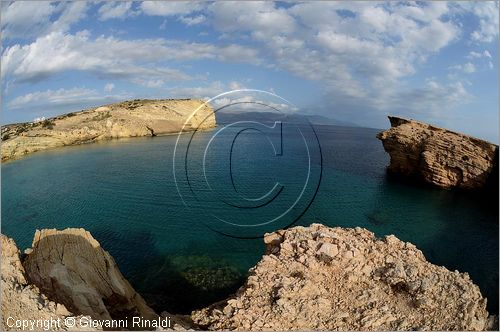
x,y
70,267
24,302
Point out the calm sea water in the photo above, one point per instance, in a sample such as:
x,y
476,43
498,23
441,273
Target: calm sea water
x,y
184,254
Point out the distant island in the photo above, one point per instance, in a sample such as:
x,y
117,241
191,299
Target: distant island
x,y
134,118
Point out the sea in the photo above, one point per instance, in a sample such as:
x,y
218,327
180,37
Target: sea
x,y
184,215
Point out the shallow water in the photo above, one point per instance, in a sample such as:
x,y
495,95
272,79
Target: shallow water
x,y
183,256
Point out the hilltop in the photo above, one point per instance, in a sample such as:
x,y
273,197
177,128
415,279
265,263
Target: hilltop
x,y
135,118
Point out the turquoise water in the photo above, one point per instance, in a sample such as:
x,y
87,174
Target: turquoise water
x,y
184,255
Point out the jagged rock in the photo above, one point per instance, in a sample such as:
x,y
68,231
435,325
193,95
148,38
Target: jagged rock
x,y
439,156
21,301
70,267
365,284
126,119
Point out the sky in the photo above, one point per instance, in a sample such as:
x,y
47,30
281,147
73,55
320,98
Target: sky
x,y
354,61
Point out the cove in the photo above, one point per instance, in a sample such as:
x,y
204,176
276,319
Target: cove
x,y
125,194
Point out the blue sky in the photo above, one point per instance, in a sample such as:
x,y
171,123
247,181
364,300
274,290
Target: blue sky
x,y
354,61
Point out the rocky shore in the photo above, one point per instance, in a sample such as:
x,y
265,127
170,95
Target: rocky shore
x,y
323,278
311,278
134,118
440,157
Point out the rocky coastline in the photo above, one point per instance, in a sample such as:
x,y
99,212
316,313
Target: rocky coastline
x,y
312,278
135,118
440,157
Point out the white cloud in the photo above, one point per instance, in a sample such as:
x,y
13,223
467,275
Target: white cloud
x,y
19,20
469,68
163,24
109,87
430,11
52,102
111,10
234,85
478,55
253,102
487,13
360,57
71,13
149,83
61,96
170,8
194,20
139,60
433,98
29,19
362,54
261,19
207,91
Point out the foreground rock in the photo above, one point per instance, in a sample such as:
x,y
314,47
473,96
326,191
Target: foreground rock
x,y
439,156
346,279
70,267
21,301
126,119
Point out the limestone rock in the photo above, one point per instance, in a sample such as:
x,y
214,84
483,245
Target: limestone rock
x,y
21,301
70,267
126,119
439,156
347,279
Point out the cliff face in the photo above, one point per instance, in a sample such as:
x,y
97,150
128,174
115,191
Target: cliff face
x,y
311,278
321,278
70,267
439,156
22,301
125,119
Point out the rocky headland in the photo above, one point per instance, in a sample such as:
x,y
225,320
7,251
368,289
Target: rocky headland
x,y
125,119
439,156
321,278
312,278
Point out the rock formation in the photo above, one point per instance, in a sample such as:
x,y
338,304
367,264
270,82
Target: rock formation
x,y
126,119
439,156
346,279
310,278
70,267
21,301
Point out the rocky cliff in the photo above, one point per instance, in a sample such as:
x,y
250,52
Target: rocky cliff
x,y
126,119
321,278
24,301
439,156
70,267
